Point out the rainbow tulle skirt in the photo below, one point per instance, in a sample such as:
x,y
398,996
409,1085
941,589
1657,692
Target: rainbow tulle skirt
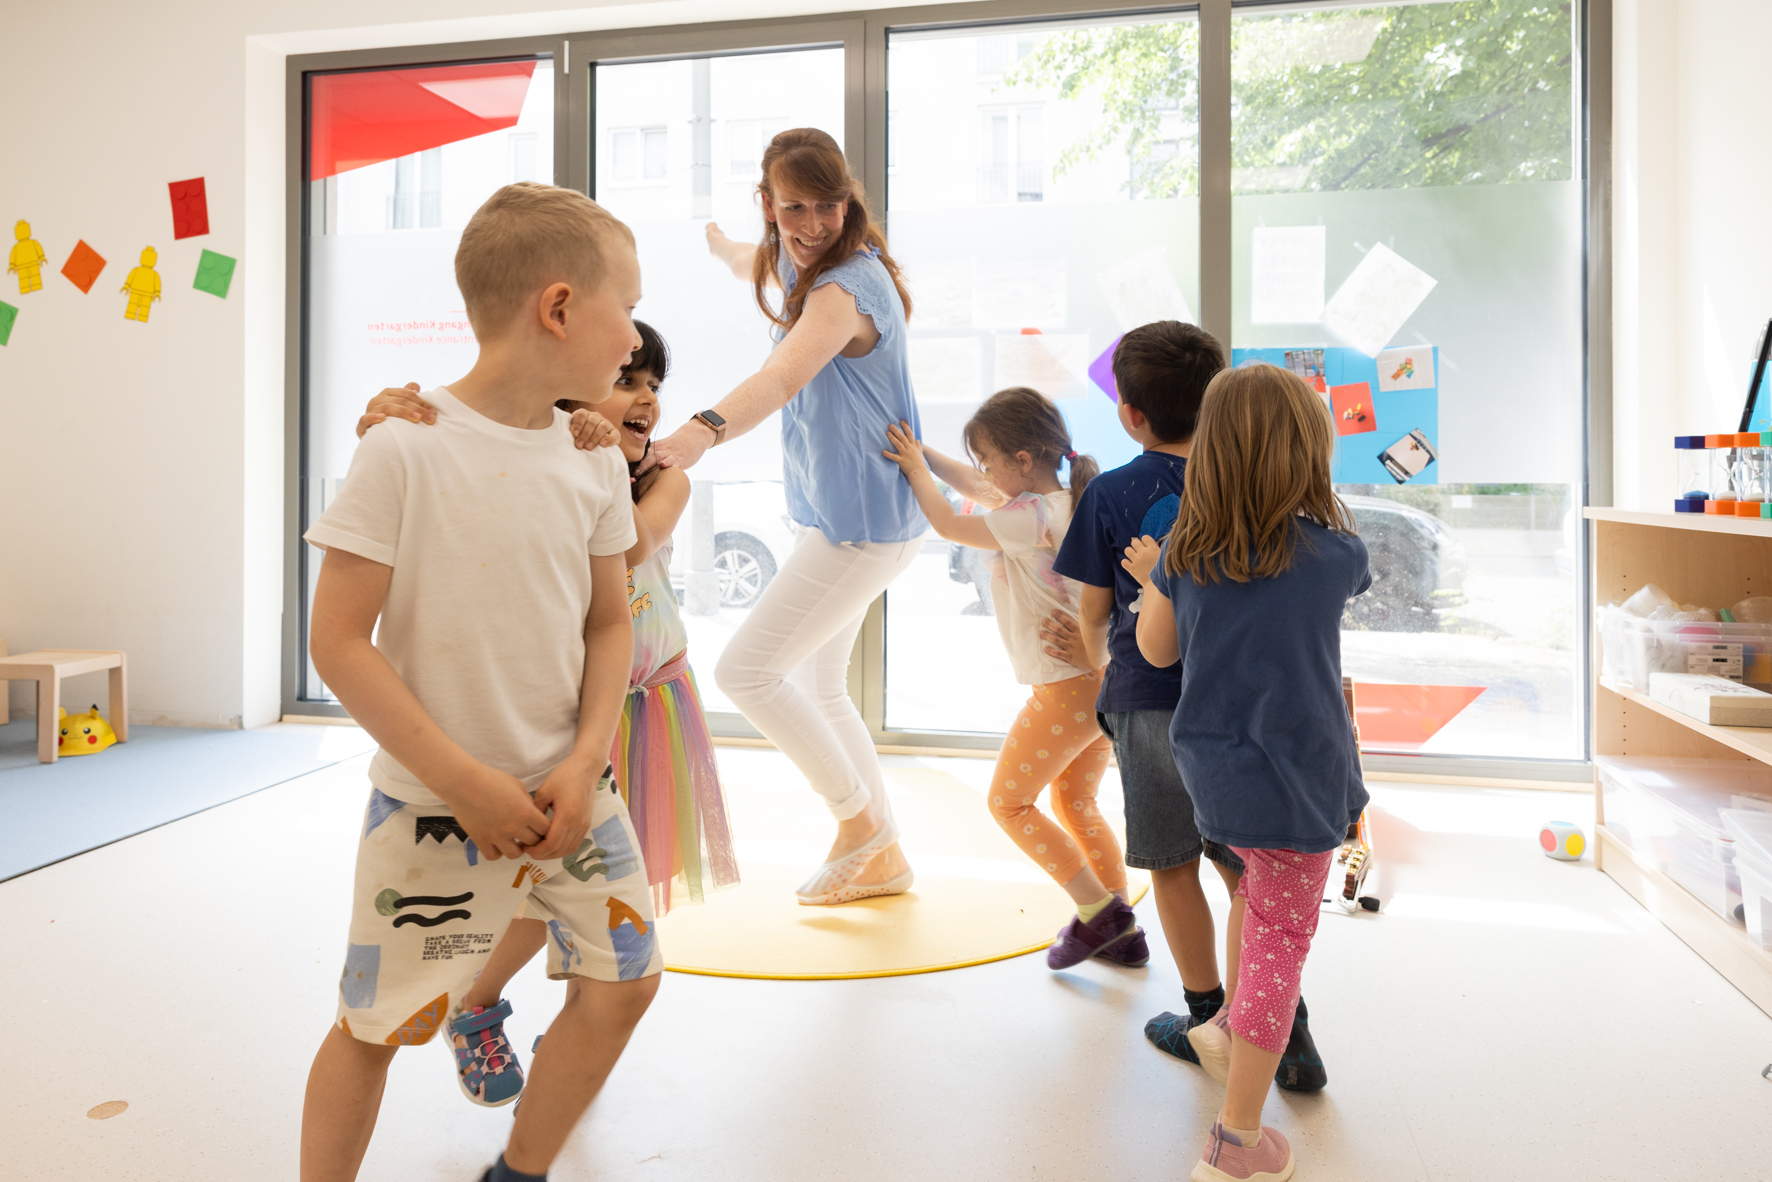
x,y
664,764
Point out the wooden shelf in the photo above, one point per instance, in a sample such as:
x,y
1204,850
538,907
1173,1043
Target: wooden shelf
x,y
1710,523
1752,741
1725,947
1696,558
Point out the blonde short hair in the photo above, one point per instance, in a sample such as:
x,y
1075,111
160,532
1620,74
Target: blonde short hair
x,y
525,236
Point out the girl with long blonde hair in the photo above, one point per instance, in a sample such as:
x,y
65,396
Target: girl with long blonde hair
x,y
1248,594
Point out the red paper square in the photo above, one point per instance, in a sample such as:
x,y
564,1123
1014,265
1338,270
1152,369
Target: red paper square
x,y
83,266
190,208
1353,409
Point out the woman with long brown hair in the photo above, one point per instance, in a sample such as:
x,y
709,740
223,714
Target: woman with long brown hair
x,y
839,373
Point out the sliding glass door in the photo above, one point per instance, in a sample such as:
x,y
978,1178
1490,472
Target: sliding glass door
x,y
1408,232
1042,195
676,145
395,161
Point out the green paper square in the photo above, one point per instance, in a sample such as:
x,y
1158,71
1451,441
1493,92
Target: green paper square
x,y
8,314
214,273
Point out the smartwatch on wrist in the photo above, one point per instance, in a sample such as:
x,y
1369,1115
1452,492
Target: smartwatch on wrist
x,y
714,423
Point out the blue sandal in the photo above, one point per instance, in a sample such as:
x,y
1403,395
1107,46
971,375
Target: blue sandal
x,y
485,1065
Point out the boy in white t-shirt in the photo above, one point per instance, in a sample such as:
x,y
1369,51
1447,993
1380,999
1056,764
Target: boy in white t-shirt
x,y
493,553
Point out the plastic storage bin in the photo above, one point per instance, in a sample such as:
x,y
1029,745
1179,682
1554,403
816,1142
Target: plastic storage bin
x,y
1668,810
1632,648
1752,831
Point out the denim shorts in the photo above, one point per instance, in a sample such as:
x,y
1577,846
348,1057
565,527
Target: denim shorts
x,y
1160,829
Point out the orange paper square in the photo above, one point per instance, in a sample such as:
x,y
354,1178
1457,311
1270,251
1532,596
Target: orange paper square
x,y
83,266
1353,409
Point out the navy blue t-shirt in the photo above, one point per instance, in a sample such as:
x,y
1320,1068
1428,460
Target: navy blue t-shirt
x,y
1261,735
1135,499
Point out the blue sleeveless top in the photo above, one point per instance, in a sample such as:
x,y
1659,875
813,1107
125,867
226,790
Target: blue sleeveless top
x,y
833,430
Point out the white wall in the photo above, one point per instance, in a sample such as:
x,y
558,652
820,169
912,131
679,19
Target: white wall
x,y
1692,241
141,466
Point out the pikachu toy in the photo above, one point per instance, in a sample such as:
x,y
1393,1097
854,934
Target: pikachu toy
x,y
84,734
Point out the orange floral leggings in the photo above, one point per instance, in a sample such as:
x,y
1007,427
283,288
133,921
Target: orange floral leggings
x,y
1056,740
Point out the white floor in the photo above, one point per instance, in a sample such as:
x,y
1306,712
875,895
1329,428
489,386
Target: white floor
x,y
1504,1017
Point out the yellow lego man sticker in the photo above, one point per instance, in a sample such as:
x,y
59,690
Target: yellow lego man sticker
x,y
27,260
143,286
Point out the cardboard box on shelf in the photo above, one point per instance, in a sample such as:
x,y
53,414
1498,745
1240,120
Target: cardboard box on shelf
x,y
1715,700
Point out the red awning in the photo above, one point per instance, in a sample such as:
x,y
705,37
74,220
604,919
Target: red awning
x,y
360,119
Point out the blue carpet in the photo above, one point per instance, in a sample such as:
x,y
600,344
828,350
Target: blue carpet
x,y
53,811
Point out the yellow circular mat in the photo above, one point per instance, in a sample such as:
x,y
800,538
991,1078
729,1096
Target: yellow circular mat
x,y
977,898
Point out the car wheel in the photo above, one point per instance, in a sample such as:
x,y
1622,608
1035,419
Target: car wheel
x,y
744,567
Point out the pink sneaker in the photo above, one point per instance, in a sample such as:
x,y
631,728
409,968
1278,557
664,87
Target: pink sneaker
x,y
1225,1160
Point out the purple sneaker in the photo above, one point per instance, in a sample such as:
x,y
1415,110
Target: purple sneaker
x,y
1078,941
1225,1160
1133,952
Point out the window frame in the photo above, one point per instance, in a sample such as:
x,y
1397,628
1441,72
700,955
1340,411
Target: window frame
x,y
863,35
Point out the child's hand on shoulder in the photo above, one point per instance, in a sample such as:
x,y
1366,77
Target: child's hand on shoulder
x,y
497,813
591,430
566,796
907,452
1141,558
403,403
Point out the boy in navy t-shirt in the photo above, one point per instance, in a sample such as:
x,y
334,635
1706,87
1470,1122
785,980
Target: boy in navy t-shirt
x,y
1161,371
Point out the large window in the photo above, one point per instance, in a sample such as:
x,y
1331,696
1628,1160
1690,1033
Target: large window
x,y
396,162
1408,232
1387,199
1083,222
704,122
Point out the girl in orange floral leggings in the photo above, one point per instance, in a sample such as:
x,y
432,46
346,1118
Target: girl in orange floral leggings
x,y
1018,440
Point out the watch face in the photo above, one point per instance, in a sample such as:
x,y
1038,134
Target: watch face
x,y
714,420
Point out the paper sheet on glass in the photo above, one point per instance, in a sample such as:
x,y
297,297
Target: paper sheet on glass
x,y
1377,300
1055,364
1286,271
1018,295
946,370
1143,289
1410,368
942,291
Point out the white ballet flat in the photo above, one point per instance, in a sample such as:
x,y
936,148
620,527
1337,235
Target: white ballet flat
x,y
833,882
851,892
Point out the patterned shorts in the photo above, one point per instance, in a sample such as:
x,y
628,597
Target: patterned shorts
x,y
427,908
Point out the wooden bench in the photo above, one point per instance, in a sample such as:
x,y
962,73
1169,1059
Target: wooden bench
x,y
47,668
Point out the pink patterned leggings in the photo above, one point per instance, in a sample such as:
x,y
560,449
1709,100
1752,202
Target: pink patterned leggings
x,y
1283,890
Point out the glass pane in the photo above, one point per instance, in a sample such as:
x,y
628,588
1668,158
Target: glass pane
x,y
398,162
679,143
1408,234
1083,221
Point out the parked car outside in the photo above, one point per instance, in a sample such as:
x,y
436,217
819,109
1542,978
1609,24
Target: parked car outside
x,y
969,564
753,536
1418,568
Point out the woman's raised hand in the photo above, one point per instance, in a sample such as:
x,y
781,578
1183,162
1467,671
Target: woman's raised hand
x,y
591,430
1141,558
907,453
716,239
403,403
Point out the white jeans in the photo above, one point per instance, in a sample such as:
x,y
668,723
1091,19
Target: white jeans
x,y
787,666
